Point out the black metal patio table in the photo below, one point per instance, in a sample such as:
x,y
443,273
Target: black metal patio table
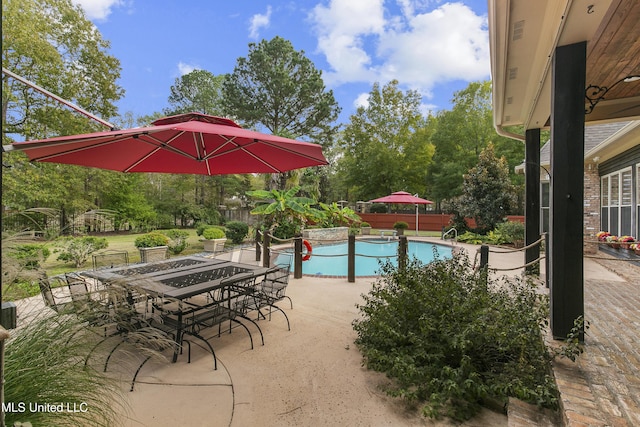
x,y
180,279
153,268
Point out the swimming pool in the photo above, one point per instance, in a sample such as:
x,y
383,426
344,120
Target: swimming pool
x,y
331,260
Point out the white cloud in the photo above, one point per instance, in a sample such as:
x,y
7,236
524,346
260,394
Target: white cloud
x,y
362,100
98,9
343,28
184,68
418,45
259,21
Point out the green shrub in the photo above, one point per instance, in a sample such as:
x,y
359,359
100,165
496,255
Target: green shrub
x,y
202,226
177,240
286,230
365,224
78,249
213,233
151,240
378,208
511,231
237,231
30,255
450,340
471,238
494,237
19,289
401,225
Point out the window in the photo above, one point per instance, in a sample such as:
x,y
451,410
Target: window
x,y
616,195
544,207
638,202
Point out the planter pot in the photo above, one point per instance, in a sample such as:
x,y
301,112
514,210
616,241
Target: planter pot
x,y
157,253
615,245
638,252
399,231
365,231
214,245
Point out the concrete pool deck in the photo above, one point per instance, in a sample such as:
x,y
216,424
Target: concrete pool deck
x,y
312,375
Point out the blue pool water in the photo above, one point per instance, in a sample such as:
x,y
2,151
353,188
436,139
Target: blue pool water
x,y
331,260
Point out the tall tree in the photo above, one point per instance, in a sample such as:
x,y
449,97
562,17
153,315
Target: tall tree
x,y
487,194
462,133
385,146
199,91
51,43
278,88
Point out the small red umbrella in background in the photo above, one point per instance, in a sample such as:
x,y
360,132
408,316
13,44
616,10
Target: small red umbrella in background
x,y
190,143
402,197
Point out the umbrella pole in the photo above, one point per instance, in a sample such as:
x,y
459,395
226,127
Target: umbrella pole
x,y
57,98
416,220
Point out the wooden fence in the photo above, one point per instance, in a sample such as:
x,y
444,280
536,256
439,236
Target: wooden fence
x,y
426,222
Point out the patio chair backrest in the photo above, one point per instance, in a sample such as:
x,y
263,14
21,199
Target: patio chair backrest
x,y
110,259
248,256
281,259
47,294
77,287
276,281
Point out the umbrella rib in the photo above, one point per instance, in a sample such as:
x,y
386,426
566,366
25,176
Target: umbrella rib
x,y
201,150
215,153
74,150
159,145
239,147
288,150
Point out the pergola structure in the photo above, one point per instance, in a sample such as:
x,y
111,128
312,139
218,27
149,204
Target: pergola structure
x,y
561,65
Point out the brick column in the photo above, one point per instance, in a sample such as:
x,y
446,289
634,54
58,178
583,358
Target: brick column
x,y
591,206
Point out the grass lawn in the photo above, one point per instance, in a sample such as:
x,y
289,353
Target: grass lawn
x,y
118,242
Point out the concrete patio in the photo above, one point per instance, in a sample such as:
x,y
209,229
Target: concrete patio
x,y
312,375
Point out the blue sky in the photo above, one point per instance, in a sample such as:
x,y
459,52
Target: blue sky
x,y
431,46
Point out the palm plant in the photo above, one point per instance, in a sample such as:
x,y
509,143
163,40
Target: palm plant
x,y
336,216
283,207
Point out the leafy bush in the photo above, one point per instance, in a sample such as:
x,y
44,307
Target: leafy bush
x,y
237,231
365,224
202,226
177,240
30,255
78,249
401,225
471,238
378,208
286,230
511,231
494,237
450,340
213,233
151,240
19,289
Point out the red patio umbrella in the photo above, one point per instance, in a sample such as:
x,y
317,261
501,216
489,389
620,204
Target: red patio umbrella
x,y
190,143
402,197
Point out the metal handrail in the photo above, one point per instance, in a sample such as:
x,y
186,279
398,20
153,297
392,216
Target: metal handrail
x,y
444,235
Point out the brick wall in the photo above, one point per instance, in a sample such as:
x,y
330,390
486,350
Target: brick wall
x,y
591,206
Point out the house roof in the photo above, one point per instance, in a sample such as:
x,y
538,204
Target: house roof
x,y
601,142
523,37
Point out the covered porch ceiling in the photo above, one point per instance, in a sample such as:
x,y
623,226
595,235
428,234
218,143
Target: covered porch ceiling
x,y
523,37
